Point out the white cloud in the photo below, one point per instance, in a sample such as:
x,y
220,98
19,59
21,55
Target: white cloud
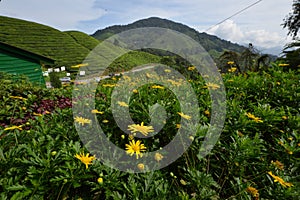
x,y
229,30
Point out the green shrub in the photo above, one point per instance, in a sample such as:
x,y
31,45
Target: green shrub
x,y
54,79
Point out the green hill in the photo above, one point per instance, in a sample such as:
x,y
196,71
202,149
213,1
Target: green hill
x,y
214,45
67,48
83,39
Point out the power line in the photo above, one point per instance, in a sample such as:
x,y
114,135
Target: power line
x,y
234,15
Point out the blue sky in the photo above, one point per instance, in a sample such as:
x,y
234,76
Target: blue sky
x,y
259,24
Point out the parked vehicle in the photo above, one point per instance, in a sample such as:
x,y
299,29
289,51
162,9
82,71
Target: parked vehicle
x,y
65,79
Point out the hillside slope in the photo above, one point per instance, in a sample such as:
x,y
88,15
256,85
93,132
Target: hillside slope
x,y
212,44
67,48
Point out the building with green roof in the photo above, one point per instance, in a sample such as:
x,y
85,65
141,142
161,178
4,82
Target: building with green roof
x,y
18,61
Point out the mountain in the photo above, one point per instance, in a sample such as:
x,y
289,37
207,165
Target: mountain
x,y
67,48
214,45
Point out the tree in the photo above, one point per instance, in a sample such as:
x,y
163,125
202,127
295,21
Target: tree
x,y
250,59
292,20
292,23
54,79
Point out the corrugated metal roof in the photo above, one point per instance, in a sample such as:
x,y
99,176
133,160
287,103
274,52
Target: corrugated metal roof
x,y
19,61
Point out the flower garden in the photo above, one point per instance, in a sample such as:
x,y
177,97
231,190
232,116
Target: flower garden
x,y
256,157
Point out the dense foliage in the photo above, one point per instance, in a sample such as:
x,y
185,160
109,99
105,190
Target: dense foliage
x,y
42,156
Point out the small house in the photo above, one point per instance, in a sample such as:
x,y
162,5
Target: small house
x,y
15,60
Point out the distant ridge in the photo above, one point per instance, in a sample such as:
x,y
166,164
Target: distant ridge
x,y
211,43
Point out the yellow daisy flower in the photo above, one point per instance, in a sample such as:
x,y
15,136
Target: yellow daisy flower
x,y
18,97
82,121
135,148
122,103
109,85
95,111
280,180
191,68
100,180
278,164
141,166
253,191
145,130
256,119
85,159
212,86
13,128
135,91
157,87
184,116
158,157
232,69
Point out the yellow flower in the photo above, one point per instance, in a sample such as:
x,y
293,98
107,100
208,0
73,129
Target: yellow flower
x,y
178,125
240,133
109,85
85,159
141,166
140,128
127,78
284,117
253,191
149,75
232,69
37,114
283,65
95,111
280,180
13,128
167,70
206,112
230,62
135,147
298,144
182,182
157,87
135,91
82,121
212,86
174,82
256,119
158,157
123,137
105,121
278,164
18,97
100,180
122,103
191,68
184,116
131,136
